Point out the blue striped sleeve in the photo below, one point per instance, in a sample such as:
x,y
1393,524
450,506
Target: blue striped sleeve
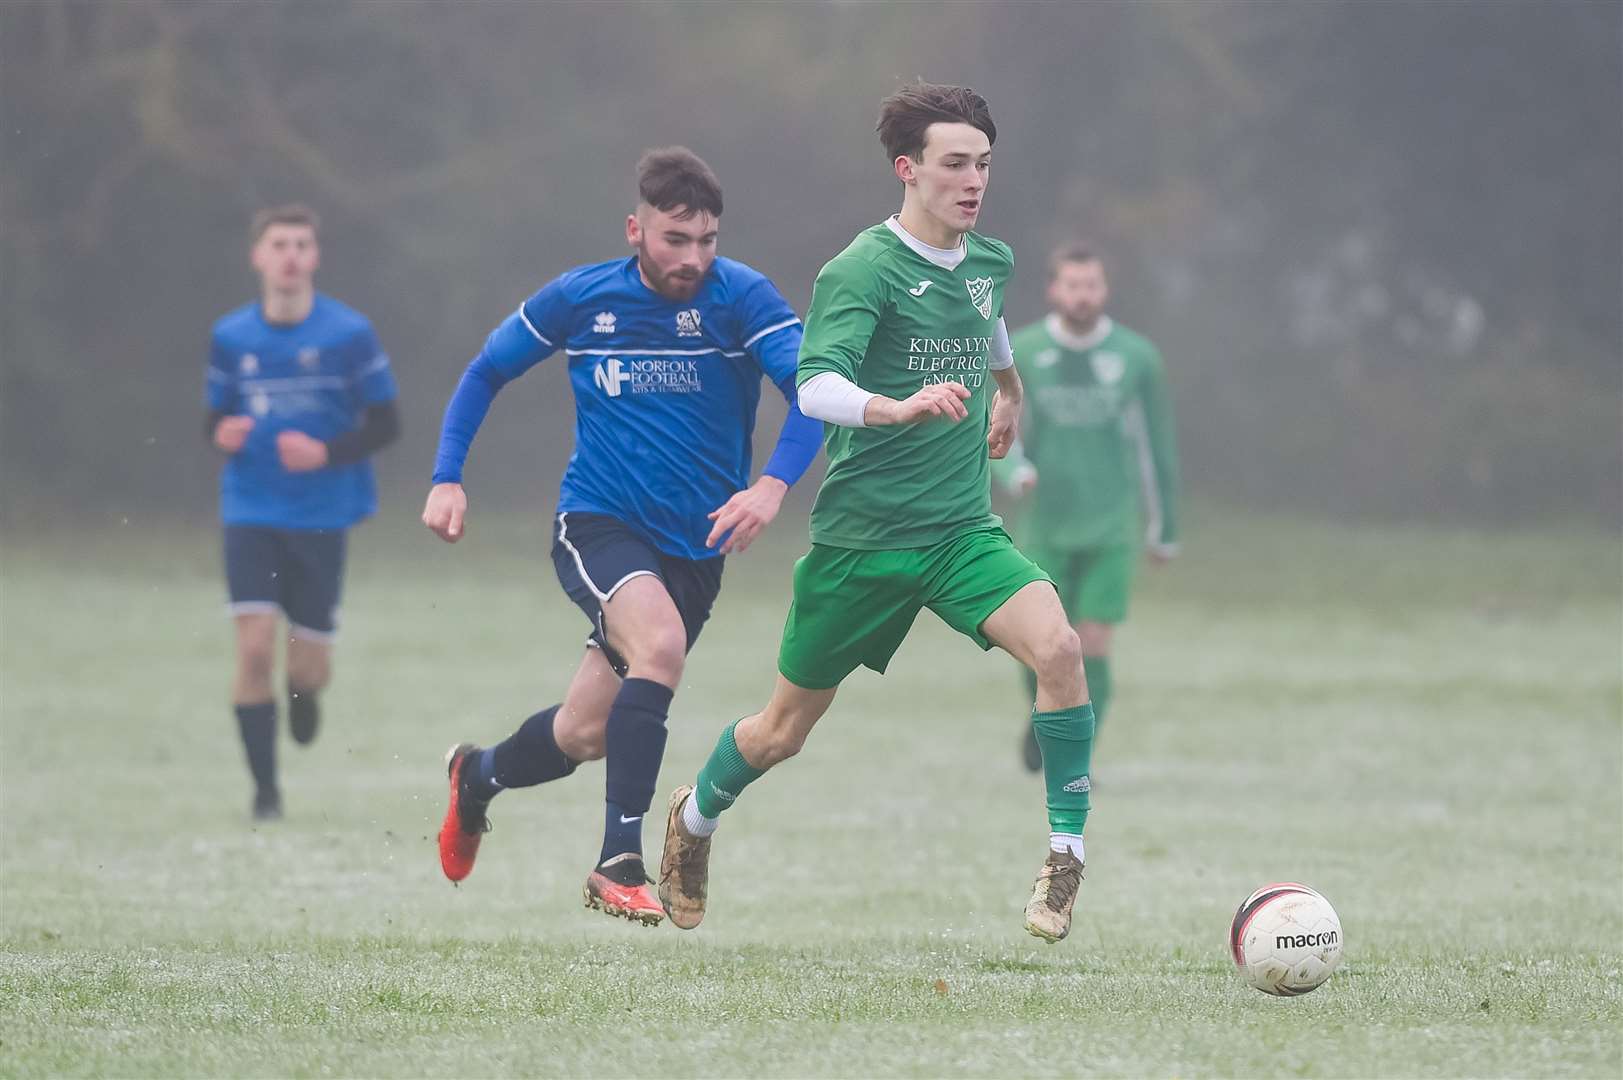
x,y
220,388
512,348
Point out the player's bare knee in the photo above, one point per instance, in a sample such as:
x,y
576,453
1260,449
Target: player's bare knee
x,y
660,656
580,735
256,663
779,746
309,670
1058,658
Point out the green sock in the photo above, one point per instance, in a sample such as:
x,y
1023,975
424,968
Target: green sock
x,y
1097,669
1066,736
723,776
1029,677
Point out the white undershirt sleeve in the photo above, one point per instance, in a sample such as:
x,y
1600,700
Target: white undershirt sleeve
x,y
831,397
1002,352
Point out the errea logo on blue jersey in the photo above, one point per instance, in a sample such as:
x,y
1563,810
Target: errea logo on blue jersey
x,y
603,323
611,376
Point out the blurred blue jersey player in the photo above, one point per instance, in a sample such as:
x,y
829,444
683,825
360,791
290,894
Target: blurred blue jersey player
x,y
299,395
666,352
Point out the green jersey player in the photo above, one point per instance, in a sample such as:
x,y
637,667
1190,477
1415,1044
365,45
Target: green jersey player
x,y
1098,458
903,349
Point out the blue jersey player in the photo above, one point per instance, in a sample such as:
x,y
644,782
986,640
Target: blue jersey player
x,y
666,351
299,395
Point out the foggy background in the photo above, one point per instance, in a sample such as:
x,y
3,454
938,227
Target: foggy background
x,y
1379,244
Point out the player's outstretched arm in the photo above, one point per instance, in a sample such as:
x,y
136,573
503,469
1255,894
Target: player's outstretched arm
x,y
512,349
228,433
741,518
1005,426
445,511
944,400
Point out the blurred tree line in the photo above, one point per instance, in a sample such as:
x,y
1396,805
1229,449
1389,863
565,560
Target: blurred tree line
x,y
1379,244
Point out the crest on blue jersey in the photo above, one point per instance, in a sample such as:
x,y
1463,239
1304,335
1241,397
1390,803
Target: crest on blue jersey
x,y
687,323
249,364
309,358
980,294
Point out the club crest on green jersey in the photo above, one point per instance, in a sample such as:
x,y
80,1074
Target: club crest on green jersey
x,y
980,294
1108,367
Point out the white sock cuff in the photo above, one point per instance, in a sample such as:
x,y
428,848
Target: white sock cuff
x,y
696,823
1072,842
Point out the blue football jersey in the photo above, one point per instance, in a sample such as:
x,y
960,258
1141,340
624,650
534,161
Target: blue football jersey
x,y
665,392
318,377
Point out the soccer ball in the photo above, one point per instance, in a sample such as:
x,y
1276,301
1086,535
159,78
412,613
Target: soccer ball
x,y
1286,939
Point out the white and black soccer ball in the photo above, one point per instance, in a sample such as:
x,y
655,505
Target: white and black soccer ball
x,y
1286,939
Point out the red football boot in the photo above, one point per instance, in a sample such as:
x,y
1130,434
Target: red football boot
x,y
465,822
620,888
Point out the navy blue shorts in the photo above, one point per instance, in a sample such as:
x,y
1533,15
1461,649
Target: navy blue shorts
x,y
595,555
298,572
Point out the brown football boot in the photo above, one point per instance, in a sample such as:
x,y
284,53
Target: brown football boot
x,y
684,867
1048,912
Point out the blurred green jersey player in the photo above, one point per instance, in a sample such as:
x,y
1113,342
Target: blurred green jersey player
x,y
1096,463
903,350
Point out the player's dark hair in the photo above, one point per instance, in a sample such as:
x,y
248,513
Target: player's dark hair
x,y
674,176
906,115
286,214
1074,252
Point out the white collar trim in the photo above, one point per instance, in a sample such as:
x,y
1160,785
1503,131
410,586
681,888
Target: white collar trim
x,y
1078,342
946,258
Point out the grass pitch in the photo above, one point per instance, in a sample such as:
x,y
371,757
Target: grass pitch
x,y
1424,725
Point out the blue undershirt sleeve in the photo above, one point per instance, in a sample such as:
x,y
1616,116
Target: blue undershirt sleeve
x,y
798,442
513,348
801,436
772,337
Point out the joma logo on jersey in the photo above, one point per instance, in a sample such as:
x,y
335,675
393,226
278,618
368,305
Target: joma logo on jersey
x,y
980,294
603,322
687,323
611,376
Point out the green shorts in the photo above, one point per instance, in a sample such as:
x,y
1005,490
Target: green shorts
x,y
854,607
1093,583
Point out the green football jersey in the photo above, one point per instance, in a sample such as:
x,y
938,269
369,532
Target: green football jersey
x,y
1098,429
893,320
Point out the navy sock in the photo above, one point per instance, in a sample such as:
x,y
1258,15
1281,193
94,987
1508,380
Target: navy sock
x,y
528,757
636,745
257,725
303,714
